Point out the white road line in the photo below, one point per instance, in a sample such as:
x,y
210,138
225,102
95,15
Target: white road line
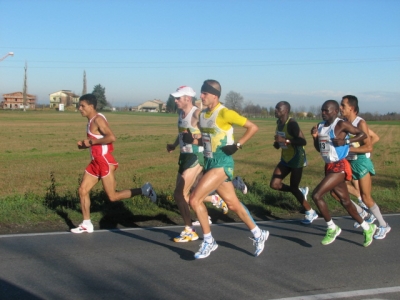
x,y
161,227
349,294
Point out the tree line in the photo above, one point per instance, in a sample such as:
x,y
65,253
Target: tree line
x,y
236,102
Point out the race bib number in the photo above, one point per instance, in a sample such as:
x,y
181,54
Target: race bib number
x,y
207,145
282,134
185,148
324,145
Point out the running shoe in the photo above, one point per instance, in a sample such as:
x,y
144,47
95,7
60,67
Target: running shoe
x,y
206,249
83,228
187,235
197,223
259,242
368,218
382,231
368,235
239,184
309,217
363,206
148,191
331,235
304,191
221,204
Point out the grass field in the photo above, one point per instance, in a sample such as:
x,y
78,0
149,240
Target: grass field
x,y
41,167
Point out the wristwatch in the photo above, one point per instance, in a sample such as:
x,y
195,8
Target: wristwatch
x,y
347,141
239,145
90,142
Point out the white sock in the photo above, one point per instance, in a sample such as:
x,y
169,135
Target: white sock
x,y
256,231
359,209
377,213
208,238
87,222
331,225
364,225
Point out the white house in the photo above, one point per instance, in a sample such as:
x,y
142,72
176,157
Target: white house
x,y
65,97
152,106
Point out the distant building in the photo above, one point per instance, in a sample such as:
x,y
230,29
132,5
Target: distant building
x,y
16,101
152,106
65,97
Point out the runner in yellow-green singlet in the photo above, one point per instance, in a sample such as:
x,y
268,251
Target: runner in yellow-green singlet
x,y
215,123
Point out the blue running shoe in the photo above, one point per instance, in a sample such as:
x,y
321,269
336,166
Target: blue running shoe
x,y
206,249
259,242
309,217
368,218
382,231
304,191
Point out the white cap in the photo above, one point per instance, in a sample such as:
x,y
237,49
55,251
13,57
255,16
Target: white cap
x,y
184,91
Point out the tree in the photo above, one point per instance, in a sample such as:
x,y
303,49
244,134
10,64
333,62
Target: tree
x,y
272,111
234,101
100,93
171,106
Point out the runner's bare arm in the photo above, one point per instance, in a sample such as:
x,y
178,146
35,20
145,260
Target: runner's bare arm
x,y
342,129
100,126
366,144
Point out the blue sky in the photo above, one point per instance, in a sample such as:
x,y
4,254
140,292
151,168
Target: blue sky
x,y
304,52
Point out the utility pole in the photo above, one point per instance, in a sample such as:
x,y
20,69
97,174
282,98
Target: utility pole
x,y
25,96
84,91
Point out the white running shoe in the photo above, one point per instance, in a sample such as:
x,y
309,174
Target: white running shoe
x,y
221,204
369,218
206,249
363,206
382,231
186,236
309,217
259,242
239,184
304,191
148,191
83,228
197,223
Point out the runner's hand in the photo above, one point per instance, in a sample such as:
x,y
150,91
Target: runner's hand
x,y
170,147
229,149
187,137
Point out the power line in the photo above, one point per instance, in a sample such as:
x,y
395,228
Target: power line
x,y
200,49
173,65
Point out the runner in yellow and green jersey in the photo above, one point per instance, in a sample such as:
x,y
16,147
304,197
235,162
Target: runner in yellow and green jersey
x,y
215,124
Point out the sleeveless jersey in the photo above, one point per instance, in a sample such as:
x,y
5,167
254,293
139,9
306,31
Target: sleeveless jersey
x,y
289,151
214,137
328,151
352,155
183,125
100,149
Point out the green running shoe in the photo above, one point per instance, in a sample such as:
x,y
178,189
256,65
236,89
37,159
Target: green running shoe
x,y
331,235
369,234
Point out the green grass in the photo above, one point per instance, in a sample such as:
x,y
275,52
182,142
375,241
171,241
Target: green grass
x,y
42,167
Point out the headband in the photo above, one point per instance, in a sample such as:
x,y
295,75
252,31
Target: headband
x,y
206,88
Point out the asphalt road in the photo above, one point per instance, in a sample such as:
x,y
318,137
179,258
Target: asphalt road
x,y
147,264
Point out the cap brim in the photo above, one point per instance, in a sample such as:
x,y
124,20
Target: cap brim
x,y
177,94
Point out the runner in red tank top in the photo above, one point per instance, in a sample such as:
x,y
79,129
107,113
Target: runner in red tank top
x,y
100,140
